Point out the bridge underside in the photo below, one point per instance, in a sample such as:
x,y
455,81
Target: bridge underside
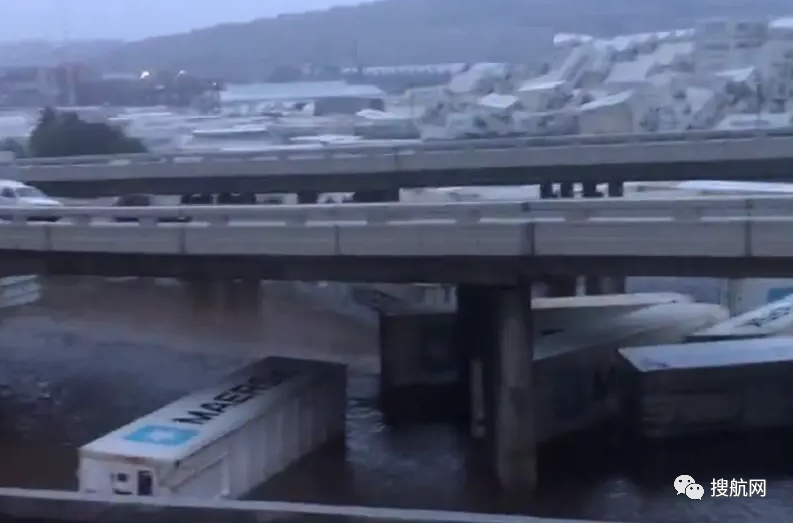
x,y
419,269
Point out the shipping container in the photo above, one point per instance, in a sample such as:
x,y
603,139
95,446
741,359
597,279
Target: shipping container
x,y
737,295
552,315
222,441
713,387
774,319
575,369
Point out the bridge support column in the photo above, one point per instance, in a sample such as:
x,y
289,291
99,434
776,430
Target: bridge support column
x,y
590,190
474,329
567,190
592,284
494,330
615,284
616,189
385,195
546,190
307,197
515,446
419,369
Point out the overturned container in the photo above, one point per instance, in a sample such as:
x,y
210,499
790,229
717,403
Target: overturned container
x,y
706,388
222,441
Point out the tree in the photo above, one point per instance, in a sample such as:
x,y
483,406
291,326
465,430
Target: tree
x,y
65,134
15,146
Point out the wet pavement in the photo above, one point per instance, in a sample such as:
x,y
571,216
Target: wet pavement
x,y
93,355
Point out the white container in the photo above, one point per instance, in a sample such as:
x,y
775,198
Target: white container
x,y
774,319
738,295
700,388
575,369
552,315
621,113
222,441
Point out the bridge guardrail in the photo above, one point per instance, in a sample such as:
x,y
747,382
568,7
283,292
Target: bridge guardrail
x,y
43,505
704,227
689,208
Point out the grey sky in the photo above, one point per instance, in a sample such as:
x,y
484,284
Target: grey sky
x,y
133,19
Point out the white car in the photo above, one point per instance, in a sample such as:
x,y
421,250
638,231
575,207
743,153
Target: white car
x,y
17,194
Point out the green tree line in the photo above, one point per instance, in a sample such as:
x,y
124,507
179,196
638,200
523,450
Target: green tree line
x,y
64,133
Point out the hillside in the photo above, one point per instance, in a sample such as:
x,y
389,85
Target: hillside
x,y
35,52
393,32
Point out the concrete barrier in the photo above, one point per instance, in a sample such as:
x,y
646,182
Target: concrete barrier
x,y
452,235
43,505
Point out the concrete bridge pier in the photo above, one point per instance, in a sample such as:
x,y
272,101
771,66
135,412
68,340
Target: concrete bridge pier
x,y
559,286
473,328
616,189
547,191
307,197
493,330
615,284
376,196
592,284
515,452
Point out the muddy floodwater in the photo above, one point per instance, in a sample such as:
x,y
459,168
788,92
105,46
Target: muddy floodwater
x,y
94,354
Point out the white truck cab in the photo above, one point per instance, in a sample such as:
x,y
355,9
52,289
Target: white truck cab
x,y
13,193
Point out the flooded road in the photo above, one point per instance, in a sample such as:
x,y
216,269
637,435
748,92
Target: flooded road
x,y
93,355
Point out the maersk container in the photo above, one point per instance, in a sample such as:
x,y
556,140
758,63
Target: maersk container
x,y
575,369
737,295
223,441
774,319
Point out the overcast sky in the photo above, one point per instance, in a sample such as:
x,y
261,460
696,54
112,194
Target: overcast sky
x,y
134,19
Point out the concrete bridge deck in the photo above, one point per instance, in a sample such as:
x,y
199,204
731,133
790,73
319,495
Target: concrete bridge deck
x,y
452,242
763,154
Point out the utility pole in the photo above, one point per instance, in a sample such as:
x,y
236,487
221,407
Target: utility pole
x,y
65,58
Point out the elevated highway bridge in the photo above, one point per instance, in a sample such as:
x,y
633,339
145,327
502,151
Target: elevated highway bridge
x,y
724,155
496,242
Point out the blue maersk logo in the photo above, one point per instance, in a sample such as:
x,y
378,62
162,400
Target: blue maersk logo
x,y
162,435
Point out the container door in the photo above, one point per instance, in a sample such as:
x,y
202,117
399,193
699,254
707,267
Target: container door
x,y
145,482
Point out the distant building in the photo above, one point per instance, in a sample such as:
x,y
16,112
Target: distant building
x,y
28,86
